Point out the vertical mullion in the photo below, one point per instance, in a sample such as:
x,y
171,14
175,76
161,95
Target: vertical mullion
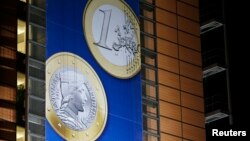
x,y
156,72
148,116
35,36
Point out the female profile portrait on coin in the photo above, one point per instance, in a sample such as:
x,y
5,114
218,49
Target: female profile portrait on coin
x,y
72,99
76,104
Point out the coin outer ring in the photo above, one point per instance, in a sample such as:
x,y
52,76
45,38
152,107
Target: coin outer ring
x,y
64,59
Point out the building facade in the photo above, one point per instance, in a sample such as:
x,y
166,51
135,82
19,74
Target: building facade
x,y
171,71
170,28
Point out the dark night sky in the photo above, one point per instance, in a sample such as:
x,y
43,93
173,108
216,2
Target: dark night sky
x,y
238,38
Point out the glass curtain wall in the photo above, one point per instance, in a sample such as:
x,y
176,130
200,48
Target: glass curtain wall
x,y
36,28
149,71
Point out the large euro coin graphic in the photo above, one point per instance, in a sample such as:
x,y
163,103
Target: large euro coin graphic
x,y
112,33
76,105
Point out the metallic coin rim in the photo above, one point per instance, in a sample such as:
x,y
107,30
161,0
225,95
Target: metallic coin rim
x,y
122,72
62,59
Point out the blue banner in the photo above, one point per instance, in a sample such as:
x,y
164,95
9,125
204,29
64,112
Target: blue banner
x,y
93,85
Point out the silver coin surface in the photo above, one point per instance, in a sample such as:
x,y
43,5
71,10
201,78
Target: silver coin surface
x,y
72,98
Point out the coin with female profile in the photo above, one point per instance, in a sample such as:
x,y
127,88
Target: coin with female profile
x,y
76,105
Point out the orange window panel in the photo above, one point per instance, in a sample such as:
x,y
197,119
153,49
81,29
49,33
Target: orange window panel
x,y
166,32
193,133
169,5
166,17
170,126
191,71
191,86
192,2
190,56
188,11
168,63
168,79
169,94
189,26
167,137
191,101
170,110
189,40
166,47
193,117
